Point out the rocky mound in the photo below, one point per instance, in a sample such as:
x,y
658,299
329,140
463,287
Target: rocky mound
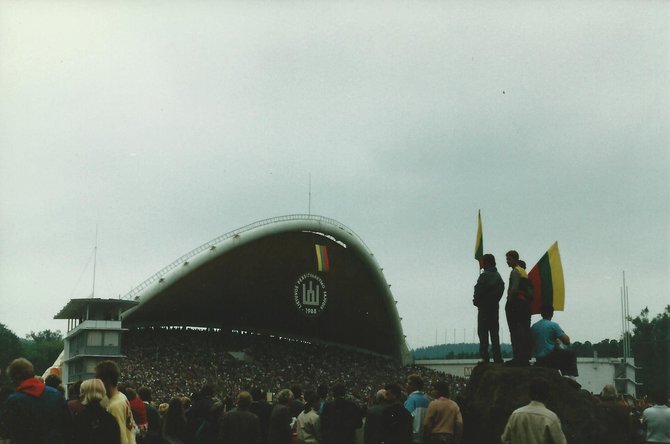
x,y
495,391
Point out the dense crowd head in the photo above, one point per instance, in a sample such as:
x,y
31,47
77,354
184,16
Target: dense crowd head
x,y
180,362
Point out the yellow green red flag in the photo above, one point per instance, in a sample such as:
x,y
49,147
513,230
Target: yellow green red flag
x,y
479,242
547,279
322,262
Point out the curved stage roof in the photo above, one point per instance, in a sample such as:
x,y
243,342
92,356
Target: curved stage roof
x,y
265,278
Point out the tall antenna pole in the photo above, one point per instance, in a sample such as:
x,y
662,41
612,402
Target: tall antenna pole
x,y
623,327
309,200
95,259
625,314
627,323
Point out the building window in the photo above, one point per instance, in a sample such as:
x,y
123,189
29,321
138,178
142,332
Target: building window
x,y
111,339
94,339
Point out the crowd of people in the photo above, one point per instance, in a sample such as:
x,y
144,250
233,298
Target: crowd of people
x,y
245,388
190,386
179,362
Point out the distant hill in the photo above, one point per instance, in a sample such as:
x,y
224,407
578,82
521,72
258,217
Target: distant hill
x,y
455,351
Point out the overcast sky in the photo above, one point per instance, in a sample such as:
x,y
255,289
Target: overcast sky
x,y
167,124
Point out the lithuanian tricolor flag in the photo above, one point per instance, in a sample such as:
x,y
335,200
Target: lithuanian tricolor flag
x,y
322,262
547,279
479,242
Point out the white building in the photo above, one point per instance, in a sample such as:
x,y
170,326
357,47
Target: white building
x,y
594,373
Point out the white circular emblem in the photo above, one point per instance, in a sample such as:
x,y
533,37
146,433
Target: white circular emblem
x,y
309,295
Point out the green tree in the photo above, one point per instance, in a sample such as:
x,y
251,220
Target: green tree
x,y
582,350
42,348
10,349
649,344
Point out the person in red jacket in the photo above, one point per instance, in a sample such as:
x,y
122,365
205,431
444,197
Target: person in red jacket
x,y
35,413
139,410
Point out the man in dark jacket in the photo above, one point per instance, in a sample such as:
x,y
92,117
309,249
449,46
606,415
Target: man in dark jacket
x,y
488,292
373,419
196,415
240,426
261,408
35,413
517,310
396,421
340,419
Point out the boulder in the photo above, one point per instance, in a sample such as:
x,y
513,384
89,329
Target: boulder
x,y
495,391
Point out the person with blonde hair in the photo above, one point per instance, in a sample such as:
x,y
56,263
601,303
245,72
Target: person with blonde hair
x,y
94,425
280,429
162,409
613,414
174,423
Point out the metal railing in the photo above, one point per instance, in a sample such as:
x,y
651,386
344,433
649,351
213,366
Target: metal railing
x,y
135,291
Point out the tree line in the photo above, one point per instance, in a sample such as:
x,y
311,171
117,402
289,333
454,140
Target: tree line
x,y
41,348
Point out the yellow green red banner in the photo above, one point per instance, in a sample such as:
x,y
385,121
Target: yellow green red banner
x,y
479,242
322,262
547,279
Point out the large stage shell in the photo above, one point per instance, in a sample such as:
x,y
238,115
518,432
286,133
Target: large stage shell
x,y
253,279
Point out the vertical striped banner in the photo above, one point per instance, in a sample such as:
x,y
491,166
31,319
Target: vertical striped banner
x,y
547,279
322,262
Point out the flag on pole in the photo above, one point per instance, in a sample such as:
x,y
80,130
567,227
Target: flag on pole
x,y
479,242
322,262
547,279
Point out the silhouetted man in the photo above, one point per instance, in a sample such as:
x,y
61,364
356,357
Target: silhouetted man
x,y
396,423
261,408
517,310
373,418
240,426
340,419
488,292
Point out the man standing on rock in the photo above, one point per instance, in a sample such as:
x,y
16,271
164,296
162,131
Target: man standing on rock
x,y
488,292
534,423
517,310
